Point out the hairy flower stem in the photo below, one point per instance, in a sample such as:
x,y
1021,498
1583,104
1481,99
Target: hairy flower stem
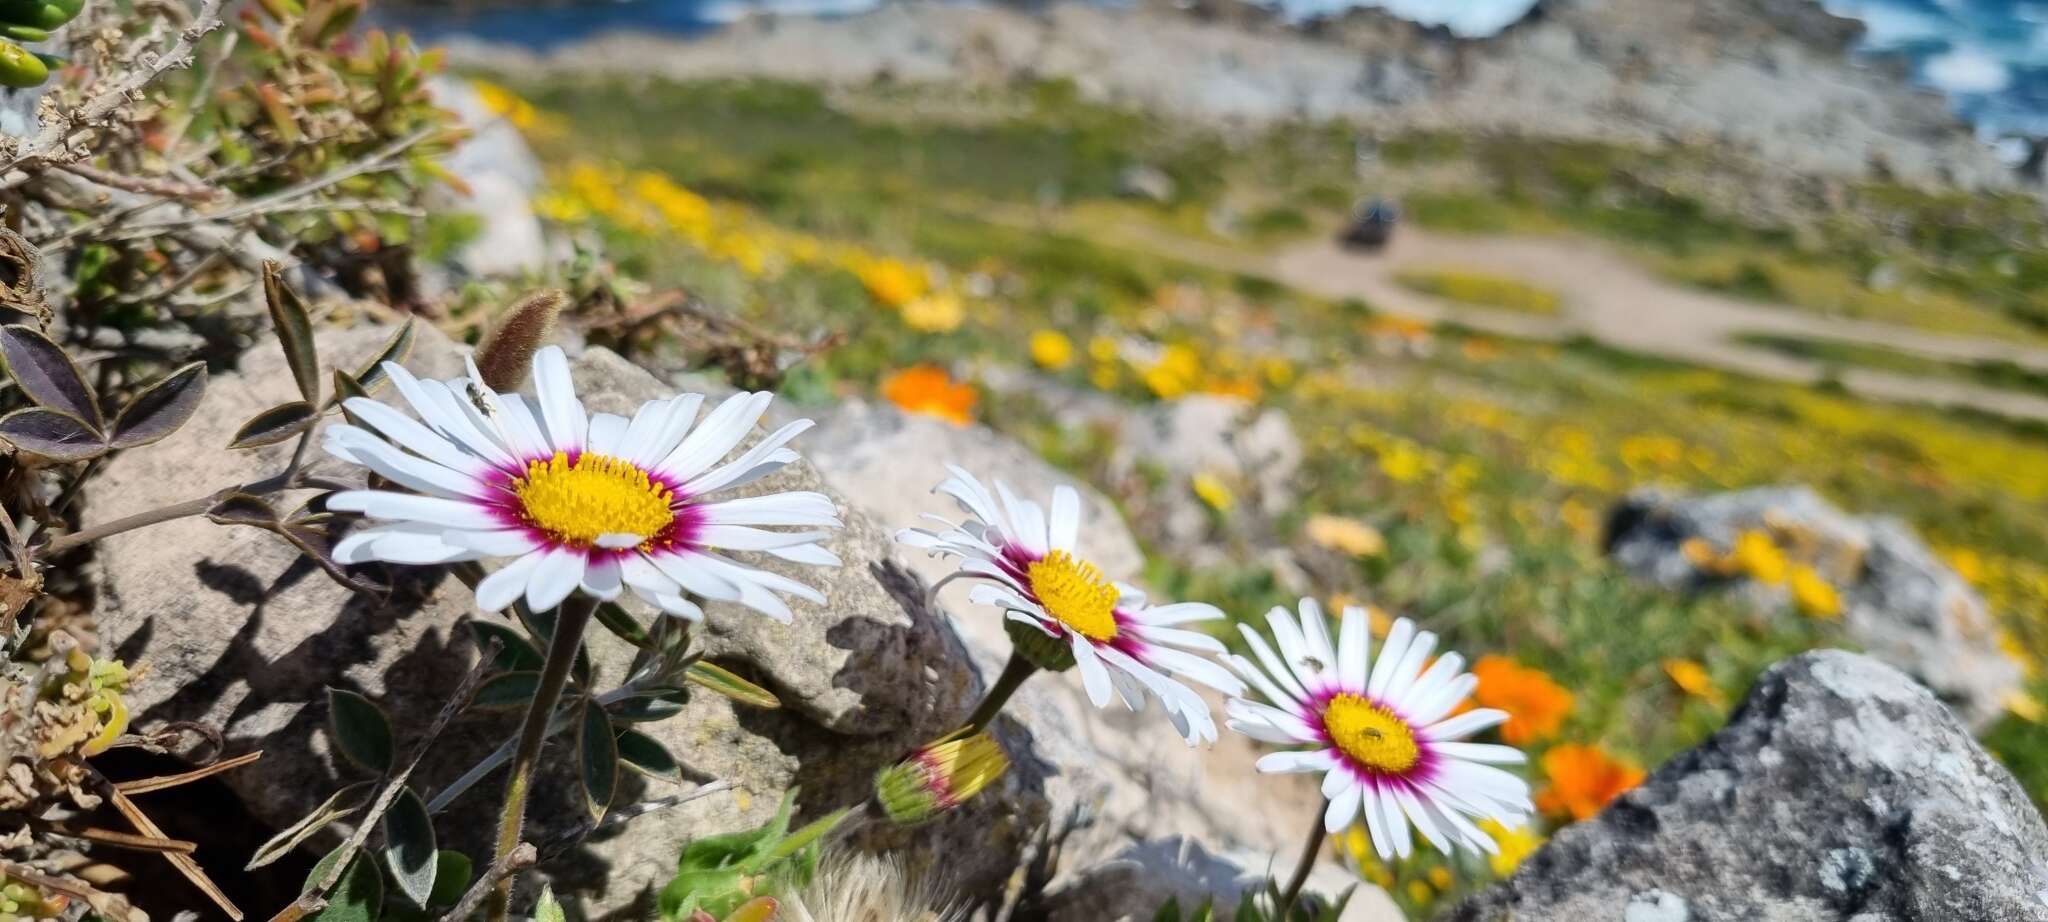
x,y
1015,672
570,620
1301,868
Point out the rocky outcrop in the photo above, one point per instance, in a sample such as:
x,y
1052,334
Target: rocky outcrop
x,y
1140,817
1839,792
241,632
1898,600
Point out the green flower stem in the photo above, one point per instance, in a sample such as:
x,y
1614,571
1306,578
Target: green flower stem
x,y
1015,672
570,620
1301,869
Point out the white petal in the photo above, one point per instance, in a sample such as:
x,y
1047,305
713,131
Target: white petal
x,y
798,508
725,475
1206,671
557,575
411,435
1465,724
743,538
1303,760
601,578
724,428
1181,613
1064,529
409,507
1397,827
607,434
1094,675
506,584
505,542
1376,824
1343,808
410,471
568,429
1259,680
655,439
1396,646
1026,519
1410,666
1354,637
974,499
1430,709
1186,640
1421,818
1315,628
1482,752
1294,649
1275,670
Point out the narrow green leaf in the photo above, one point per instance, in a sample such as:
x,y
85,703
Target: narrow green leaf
x,y
360,729
508,690
452,874
338,805
548,909
294,329
722,681
646,755
804,838
515,652
275,425
409,848
359,897
599,760
395,349
622,625
649,705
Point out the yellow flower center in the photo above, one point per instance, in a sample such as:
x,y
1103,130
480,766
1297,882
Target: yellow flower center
x,y
1076,593
1371,734
596,495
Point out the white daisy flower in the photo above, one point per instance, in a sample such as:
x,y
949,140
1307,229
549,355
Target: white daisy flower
x,y
1029,565
1385,738
577,501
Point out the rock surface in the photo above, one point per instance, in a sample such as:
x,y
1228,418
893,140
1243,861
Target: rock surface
x,y
1124,788
1899,601
503,176
1839,792
242,633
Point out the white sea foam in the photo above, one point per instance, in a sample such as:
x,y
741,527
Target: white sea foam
x,y
1967,69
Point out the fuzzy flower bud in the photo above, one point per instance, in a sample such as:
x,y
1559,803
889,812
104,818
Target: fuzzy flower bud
x,y
939,776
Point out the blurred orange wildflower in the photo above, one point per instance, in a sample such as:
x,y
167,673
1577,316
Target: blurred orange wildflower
x,y
1583,779
929,390
1535,703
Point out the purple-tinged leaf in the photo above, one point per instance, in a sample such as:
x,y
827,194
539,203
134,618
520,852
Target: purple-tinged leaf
x,y
294,328
395,350
161,408
598,756
54,435
275,425
47,375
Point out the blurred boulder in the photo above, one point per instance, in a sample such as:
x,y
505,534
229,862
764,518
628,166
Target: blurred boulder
x,y
1147,182
1897,599
1840,791
503,176
1250,448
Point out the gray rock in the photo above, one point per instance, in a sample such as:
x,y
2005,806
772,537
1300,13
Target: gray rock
x,y
1133,885
1900,602
503,175
241,633
1120,785
1839,791
1253,449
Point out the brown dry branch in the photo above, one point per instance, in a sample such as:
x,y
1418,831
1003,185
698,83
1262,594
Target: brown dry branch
x,y
54,142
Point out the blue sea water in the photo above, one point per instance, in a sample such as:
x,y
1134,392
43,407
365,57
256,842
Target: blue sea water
x,y
1989,56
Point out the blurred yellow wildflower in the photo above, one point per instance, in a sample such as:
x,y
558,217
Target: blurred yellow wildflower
x,y
1583,779
1214,491
930,391
1813,595
1758,556
1440,877
1402,462
1692,678
1516,845
1052,350
892,282
1535,703
1102,349
938,312
2026,707
1104,376
1348,535
1967,563
1420,893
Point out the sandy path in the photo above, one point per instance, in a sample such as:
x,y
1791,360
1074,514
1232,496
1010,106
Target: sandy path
x,y
1617,302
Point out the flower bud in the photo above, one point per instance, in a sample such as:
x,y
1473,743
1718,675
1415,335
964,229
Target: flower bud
x,y
1043,650
939,776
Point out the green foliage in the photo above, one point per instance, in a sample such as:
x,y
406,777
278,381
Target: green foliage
x,y
717,874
